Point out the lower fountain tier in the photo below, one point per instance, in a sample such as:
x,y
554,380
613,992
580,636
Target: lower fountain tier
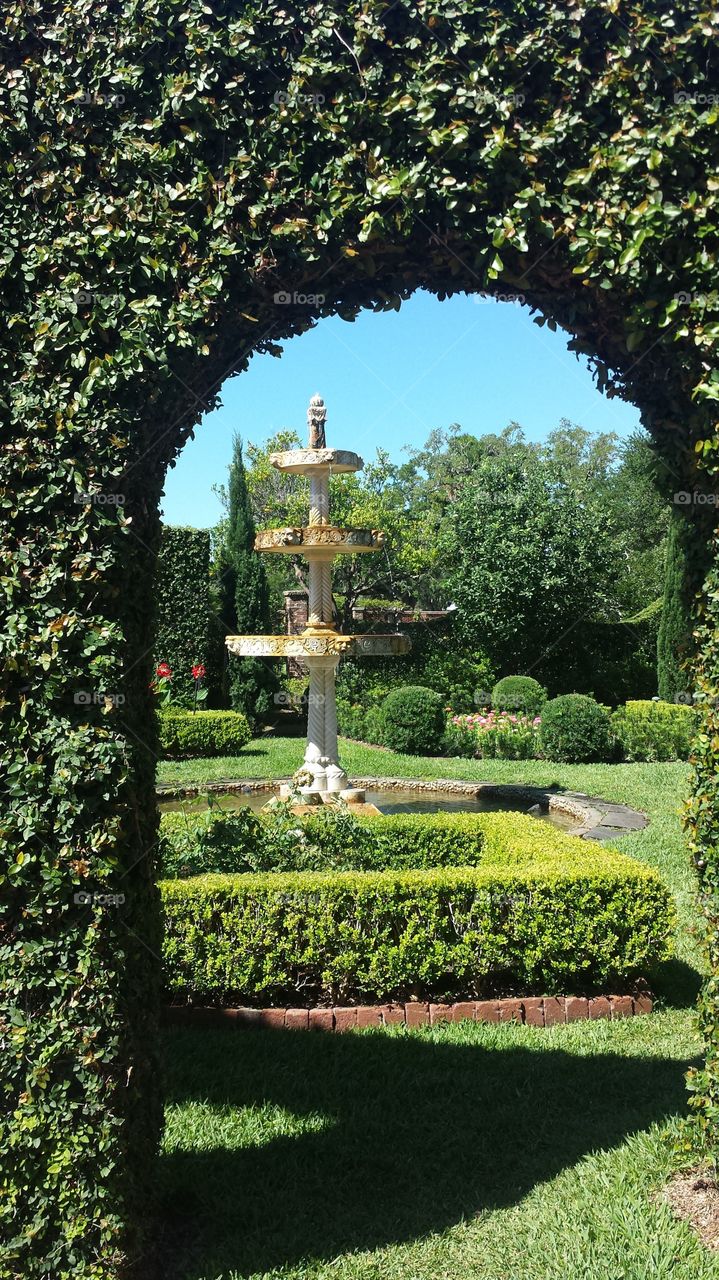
x,y
321,538
318,644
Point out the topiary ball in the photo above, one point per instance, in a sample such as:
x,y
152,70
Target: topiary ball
x,y
413,720
520,694
575,729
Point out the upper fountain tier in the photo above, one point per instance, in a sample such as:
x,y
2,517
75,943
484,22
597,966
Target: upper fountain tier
x,y
316,459
306,462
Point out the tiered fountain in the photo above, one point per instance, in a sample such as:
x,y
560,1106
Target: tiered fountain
x,y
320,646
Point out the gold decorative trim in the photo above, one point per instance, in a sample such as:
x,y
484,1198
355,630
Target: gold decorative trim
x,y
291,540
312,644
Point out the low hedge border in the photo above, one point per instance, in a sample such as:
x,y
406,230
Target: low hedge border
x,y
191,734
542,913
534,1011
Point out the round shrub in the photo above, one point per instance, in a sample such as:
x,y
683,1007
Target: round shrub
x,y
574,729
413,720
519,693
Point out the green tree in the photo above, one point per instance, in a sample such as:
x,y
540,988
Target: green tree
x,y
244,595
532,561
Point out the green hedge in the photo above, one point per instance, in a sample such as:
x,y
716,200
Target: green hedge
x,y
185,631
202,733
655,730
542,912
279,840
612,661
576,729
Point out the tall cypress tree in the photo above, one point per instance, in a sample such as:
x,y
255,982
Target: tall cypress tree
x,y
245,596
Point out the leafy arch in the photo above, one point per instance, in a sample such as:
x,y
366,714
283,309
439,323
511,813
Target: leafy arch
x,y
168,169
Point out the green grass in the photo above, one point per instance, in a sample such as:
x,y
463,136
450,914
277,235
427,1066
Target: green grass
x,y
451,1153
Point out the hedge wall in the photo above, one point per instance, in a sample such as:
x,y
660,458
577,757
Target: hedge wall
x,y
165,216
612,661
185,633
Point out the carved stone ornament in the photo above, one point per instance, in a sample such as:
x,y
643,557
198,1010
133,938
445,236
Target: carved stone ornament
x,y
307,461
330,644
348,541
316,418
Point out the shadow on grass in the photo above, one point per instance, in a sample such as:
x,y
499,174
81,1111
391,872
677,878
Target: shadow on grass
x,y
677,983
416,1134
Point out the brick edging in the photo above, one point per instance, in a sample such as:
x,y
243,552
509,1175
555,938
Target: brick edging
x,y
532,1011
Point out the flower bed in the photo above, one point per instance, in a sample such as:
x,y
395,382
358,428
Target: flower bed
x,y
492,734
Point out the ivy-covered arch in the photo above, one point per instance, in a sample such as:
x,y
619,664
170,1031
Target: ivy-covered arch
x,y
171,170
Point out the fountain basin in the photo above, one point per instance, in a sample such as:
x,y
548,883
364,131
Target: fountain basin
x,y
573,814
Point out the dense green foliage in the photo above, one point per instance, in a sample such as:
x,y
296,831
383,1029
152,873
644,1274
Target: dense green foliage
x,y
182,590
437,660
185,734
576,729
279,840
702,823
674,640
412,720
528,560
542,912
519,693
655,730
245,595
156,195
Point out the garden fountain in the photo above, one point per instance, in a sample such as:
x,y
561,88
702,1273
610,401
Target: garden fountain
x,y
320,646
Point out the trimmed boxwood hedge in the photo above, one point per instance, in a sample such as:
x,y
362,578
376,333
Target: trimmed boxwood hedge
x,y
202,733
541,912
240,840
648,730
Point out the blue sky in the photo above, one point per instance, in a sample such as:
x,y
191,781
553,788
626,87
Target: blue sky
x,y
390,379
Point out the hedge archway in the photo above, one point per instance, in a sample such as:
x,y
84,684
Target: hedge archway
x,y
168,169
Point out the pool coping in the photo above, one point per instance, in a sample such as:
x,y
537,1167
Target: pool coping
x,y
596,819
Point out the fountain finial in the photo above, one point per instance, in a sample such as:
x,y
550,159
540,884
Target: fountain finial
x,y
316,418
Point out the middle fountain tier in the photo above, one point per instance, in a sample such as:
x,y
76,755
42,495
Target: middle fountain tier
x,y
320,646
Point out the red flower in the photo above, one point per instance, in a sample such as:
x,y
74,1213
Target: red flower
x,y
198,671
164,670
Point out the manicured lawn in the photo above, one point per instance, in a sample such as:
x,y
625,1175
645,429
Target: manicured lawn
x,y
485,1153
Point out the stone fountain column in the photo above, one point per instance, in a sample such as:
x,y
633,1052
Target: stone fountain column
x,y
321,645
